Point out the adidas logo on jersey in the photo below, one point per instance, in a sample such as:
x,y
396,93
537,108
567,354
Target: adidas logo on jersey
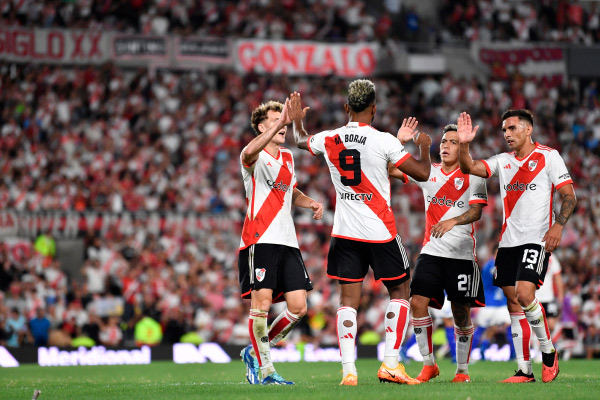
x,y
432,179
507,166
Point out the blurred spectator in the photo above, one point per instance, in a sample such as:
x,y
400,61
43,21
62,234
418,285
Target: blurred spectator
x,y
147,332
40,327
111,334
16,326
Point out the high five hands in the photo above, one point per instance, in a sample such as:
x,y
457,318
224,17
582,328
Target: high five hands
x,y
296,112
466,132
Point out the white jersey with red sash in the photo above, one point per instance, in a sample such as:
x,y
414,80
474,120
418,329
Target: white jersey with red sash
x,y
357,156
269,183
527,188
448,196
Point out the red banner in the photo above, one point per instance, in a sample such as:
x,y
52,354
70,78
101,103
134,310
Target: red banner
x,y
306,58
21,44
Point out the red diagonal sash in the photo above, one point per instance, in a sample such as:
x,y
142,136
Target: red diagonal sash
x,y
435,212
525,176
377,204
255,228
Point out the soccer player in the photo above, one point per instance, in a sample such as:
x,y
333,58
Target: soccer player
x,y
364,231
453,202
270,263
528,176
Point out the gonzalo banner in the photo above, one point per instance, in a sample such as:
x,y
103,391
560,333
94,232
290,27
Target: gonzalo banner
x,y
306,58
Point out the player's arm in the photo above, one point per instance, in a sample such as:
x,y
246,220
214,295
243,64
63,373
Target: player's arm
x,y
394,172
471,215
419,169
253,149
297,114
554,234
299,199
466,134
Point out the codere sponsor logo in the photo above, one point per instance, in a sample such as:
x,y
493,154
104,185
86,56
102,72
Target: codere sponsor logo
x,y
279,185
519,187
443,201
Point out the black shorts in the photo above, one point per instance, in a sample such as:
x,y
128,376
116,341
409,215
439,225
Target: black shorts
x,y
461,279
528,262
349,260
272,266
551,309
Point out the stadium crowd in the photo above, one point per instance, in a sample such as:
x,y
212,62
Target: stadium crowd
x,y
109,140
331,20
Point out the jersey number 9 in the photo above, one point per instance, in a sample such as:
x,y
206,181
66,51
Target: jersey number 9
x,y
353,167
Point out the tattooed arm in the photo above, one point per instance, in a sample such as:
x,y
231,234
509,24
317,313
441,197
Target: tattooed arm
x,y
554,234
471,215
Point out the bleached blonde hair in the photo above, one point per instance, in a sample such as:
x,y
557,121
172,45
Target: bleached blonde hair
x,y
361,94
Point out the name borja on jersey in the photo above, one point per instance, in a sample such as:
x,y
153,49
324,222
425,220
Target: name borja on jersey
x,y
357,156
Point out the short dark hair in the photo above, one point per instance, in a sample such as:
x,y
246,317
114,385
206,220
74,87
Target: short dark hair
x,y
260,113
361,94
451,128
523,114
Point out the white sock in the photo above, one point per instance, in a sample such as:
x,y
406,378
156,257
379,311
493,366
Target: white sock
x,y
396,323
464,339
537,319
521,336
346,330
280,328
423,328
257,326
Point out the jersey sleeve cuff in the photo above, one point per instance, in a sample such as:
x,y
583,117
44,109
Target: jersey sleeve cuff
x,y
478,202
564,183
487,168
249,165
406,156
309,148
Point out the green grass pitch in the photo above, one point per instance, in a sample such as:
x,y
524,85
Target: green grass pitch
x,y
578,379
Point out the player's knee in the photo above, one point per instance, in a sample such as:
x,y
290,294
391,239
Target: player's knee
x,y
263,304
298,309
418,303
524,297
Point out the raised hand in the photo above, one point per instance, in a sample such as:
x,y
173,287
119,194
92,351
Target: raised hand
x,y
422,139
296,111
284,117
466,132
408,129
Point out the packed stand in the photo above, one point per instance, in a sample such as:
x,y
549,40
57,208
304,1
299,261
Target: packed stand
x,y
529,21
110,140
342,20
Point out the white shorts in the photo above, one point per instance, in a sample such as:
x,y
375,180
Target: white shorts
x,y
491,316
